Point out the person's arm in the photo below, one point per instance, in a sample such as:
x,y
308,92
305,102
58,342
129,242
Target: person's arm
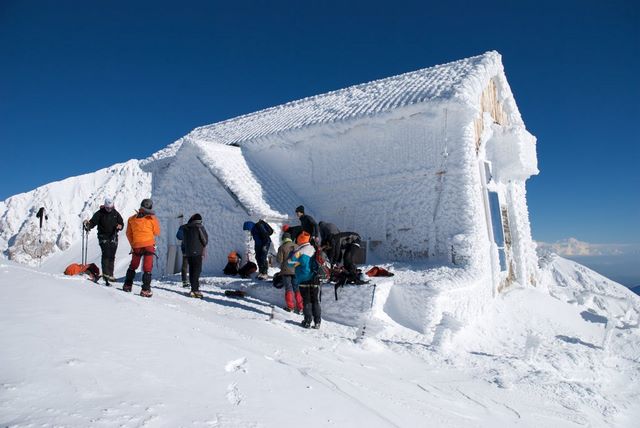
x,y
120,221
156,226
294,260
180,233
129,232
88,225
204,237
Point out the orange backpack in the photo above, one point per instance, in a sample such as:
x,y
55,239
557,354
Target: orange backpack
x,y
89,269
74,269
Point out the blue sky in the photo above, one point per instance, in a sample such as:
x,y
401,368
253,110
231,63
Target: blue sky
x,y
84,85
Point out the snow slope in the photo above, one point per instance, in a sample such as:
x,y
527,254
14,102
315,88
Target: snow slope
x,y
67,203
106,358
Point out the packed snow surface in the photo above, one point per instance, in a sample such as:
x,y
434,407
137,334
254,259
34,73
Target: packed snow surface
x,y
79,354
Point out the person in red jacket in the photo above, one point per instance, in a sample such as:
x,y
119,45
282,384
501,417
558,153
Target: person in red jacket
x,y
142,228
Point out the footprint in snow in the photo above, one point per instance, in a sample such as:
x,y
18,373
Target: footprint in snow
x,y
72,362
233,394
236,365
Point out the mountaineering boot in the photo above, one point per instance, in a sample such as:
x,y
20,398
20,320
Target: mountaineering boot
x,y
146,281
185,284
196,294
146,293
106,280
305,324
316,325
128,280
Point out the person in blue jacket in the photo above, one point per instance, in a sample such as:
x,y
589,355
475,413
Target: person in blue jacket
x,y
262,243
302,259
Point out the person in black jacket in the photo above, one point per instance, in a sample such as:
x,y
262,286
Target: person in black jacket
x,y
308,224
327,230
109,222
195,239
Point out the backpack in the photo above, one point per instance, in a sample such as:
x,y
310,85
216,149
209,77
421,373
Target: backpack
x,y
247,269
315,268
89,269
277,280
266,228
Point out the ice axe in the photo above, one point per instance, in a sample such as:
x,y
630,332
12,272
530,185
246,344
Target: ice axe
x,y
42,216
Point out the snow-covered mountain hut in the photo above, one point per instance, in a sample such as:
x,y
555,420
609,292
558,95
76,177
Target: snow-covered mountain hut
x,y
428,165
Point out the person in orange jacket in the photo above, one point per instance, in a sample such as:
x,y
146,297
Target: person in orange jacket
x,y
142,228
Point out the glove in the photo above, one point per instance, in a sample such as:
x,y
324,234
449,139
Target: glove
x,y
119,227
86,225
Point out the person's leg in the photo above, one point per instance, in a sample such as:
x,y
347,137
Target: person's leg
x,y
298,296
260,258
288,291
131,271
195,268
147,267
315,305
184,270
306,297
113,249
104,260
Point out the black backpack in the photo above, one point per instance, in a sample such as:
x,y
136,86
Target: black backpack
x,y
265,229
247,269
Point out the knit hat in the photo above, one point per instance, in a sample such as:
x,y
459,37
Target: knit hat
x,y
300,209
303,238
285,227
195,217
147,204
108,202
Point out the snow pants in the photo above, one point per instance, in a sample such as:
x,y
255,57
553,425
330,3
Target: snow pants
x,y
138,253
292,290
147,266
108,249
195,268
261,257
311,303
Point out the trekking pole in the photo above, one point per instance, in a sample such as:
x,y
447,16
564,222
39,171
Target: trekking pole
x,y
82,249
86,247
